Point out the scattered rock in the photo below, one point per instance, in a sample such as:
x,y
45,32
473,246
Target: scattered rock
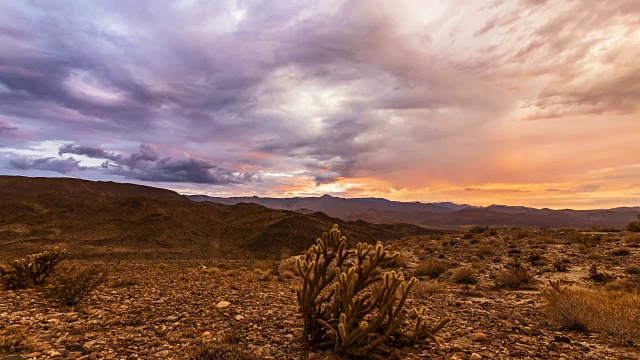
x,y
479,337
475,356
223,304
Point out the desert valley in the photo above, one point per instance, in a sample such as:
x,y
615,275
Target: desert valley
x,y
203,280
319,180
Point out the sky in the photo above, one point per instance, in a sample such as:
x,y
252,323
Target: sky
x,y
516,102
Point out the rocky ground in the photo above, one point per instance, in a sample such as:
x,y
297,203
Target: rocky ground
x,y
151,310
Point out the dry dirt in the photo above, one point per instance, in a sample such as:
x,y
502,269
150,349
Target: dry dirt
x,y
162,310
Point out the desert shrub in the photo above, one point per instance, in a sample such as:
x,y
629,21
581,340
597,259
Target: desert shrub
x,y
478,229
621,252
599,276
432,287
561,265
632,240
515,276
521,234
31,270
537,259
546,240
633,226
485,250
633,270
346,307
465,275
74,285
610,312
576,237
432,268
594,255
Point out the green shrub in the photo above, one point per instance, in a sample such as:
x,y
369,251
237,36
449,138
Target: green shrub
x,y
349,306
74,285
31,270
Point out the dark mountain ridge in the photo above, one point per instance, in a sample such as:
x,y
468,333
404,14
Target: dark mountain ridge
x,y
442,215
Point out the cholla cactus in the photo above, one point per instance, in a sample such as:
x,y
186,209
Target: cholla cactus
x,y
347,304
31,270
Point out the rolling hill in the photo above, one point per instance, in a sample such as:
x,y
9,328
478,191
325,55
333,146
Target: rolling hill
x,y
119,221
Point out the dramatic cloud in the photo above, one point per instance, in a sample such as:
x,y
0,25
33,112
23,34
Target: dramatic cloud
x,y
63,166
411,100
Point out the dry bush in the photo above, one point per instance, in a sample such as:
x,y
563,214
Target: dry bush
x,y
632,240
633,270
432,268
561,265
432,287
622,285
537,259
599,276
594,255
634,226
611,312
521,234
515,276
465,275
478,229
485,250
74,285
546,240
621,252
576,237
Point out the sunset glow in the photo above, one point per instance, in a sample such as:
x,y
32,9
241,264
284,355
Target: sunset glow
x,y
522,102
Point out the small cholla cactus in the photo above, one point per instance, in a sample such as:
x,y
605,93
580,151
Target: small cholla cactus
x,y
338,307
31,270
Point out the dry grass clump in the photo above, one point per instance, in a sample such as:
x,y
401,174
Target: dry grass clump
x,y
521,234
432,287
432,268
634,226
633,270
561,265
599,276
465,275
621,252
484,251
74,285
632,240
610,312
515,276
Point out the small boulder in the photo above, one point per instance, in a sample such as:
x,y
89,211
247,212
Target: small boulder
x,y
223,304
479,337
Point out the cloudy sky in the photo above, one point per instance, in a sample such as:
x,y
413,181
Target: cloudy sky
x,y
521,102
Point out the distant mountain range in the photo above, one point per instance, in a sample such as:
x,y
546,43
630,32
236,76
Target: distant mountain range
x,y
118,221
439,215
